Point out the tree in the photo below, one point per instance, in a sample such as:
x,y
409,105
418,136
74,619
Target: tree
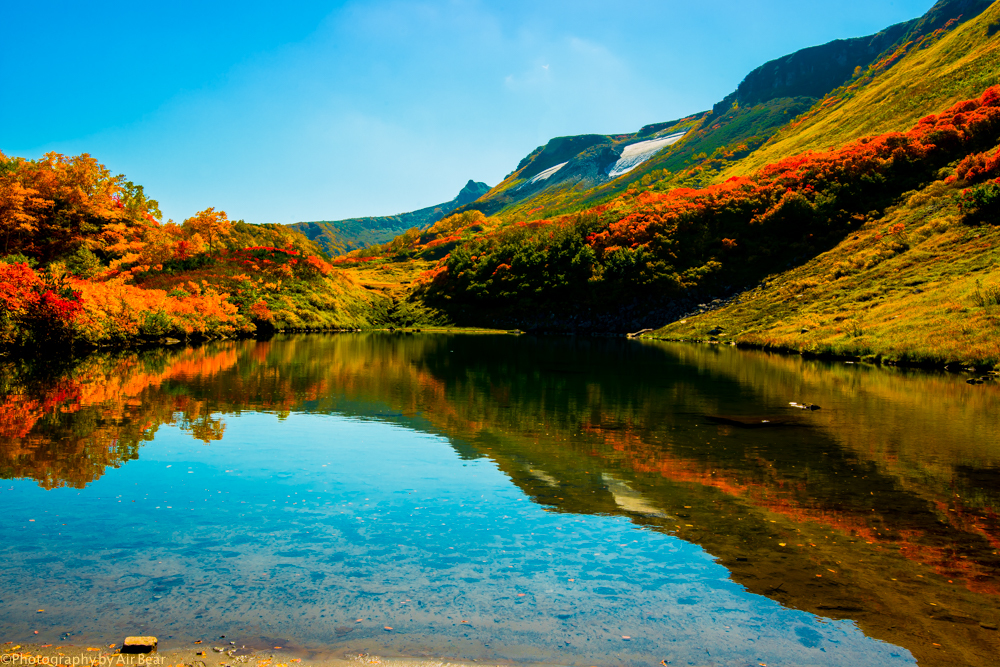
x,y
18,211
213,226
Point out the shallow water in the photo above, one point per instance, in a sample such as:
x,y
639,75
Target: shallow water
x,y
502,498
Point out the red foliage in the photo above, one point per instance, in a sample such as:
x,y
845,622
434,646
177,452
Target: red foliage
x,y
979,167
318,265
54,308
793,183
32,302
19,288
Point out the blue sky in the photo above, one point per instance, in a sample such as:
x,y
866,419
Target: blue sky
x,y
281,112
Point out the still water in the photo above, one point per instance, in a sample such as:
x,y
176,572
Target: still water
x,y
501,498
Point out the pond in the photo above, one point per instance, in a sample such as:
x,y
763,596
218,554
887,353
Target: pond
x,y
574,501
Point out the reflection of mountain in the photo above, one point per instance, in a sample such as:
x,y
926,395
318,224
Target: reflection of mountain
x,y
887,493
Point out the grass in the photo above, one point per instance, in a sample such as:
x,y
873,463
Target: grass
x,y
988,297
918,286
961,65
390,281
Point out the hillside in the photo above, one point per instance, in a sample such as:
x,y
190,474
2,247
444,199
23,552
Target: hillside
x,y
831,227
917,284
340,236
586,168
919,78
87,262
859,223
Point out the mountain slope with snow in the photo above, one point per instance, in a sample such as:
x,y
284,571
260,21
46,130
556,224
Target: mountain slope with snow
x,y
635,154
571,173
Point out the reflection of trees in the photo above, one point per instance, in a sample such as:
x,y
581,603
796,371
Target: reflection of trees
x,y
605,426
205,428
66,431
851,497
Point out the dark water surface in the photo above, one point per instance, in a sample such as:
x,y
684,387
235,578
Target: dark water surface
x,y
573,501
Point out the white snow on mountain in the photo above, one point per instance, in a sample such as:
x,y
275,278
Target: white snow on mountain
x,y
543,175
637,153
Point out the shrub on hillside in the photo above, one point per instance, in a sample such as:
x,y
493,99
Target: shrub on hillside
x,y
981,203
653,244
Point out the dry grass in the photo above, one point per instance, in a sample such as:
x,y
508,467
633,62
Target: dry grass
x,y
929,293
960,66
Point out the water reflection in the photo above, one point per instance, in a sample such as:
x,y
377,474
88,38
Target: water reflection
x,y
879,508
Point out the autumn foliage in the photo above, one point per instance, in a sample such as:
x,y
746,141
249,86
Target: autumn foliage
x,y
693,241
85,258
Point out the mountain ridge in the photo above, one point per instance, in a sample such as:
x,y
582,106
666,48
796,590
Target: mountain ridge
x,y
770,96
338,237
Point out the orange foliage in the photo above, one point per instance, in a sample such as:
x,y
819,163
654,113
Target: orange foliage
x,y
116,311
94,233
50,207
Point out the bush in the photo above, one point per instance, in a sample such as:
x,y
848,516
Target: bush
x,y
981,203
988,297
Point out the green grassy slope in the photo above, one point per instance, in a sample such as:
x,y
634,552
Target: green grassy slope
x,y
959,65
926,294
719,141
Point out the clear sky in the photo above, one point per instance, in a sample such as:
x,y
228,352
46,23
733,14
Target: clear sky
x,y
289,111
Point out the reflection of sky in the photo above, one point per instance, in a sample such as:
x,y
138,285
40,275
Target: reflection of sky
x,y
295,529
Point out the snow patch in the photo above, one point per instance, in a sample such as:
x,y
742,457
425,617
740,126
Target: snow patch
x,y
637,153
543,175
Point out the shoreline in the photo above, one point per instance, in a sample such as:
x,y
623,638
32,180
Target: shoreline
x,y
13,654
79,351
920,363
